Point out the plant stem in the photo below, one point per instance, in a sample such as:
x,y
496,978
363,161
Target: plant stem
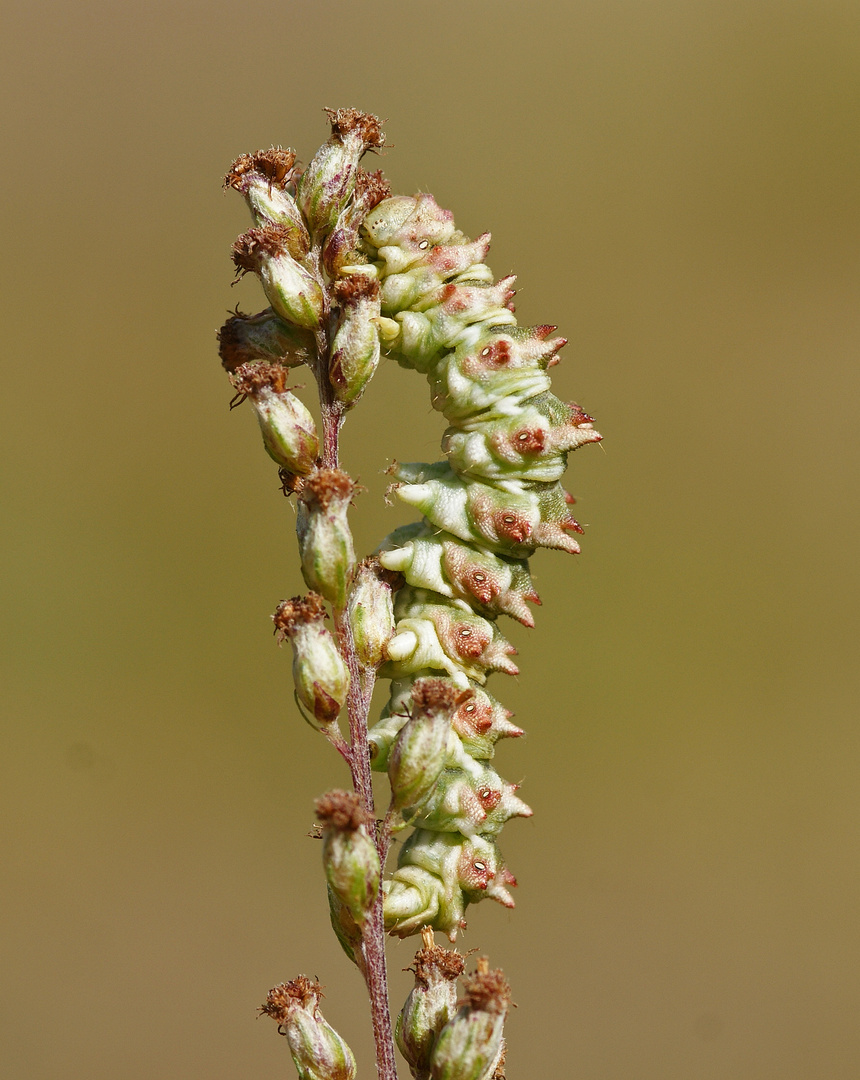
x,y
358,709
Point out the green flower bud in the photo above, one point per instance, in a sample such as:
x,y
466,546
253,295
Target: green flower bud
x,y
263,179
293,291
350,857
380,739
346,929
325,540
289,431
244,339
383,734
320,675
329,180
343,250
370,610
471,1044
432,1002
418,755
318,1051
355,349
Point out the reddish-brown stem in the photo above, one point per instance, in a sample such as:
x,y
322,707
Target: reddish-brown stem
x,y
358,709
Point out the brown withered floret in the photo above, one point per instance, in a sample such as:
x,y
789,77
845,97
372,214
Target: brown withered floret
x,y
341,811
283,998
354,288
231,344
296,611
275,164
393,578
432,694
249,379
370,189
243,164
291,483
487,990
352,122
325,486
245,338
433,960
250,248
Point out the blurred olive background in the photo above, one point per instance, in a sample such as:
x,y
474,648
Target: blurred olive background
x,y
676,185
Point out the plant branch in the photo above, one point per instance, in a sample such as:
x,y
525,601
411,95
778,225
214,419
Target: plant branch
x,y
358,708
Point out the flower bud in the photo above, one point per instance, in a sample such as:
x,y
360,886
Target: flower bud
x,y
263,179
329,180
355,349
246,338
346,929
320,675
289,431
293,291
397,712
432,1002
418,755
470,1045
325,540
343,251
318,1051
370,610
350,858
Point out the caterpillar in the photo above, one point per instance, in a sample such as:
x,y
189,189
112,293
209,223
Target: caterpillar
x,y
493,501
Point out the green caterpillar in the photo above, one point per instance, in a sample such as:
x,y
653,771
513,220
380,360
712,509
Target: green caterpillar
x,y
486,509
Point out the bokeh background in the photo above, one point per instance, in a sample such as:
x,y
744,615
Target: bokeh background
x,y
676,183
